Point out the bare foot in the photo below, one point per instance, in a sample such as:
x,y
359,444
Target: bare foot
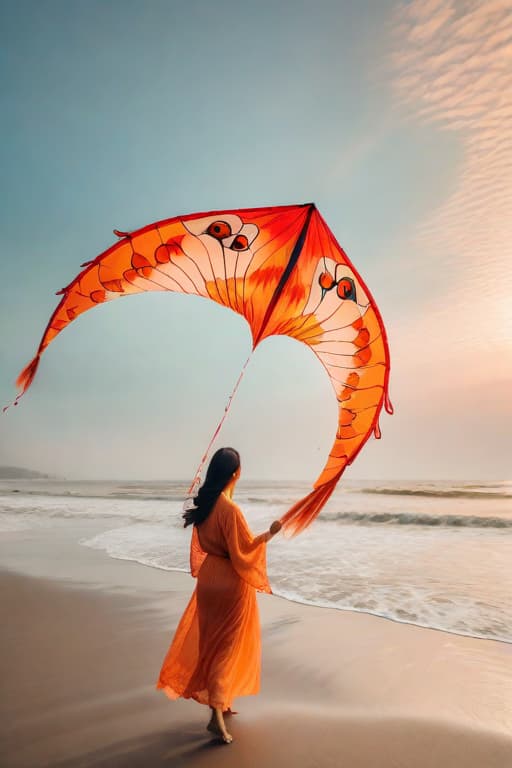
x,y
217,727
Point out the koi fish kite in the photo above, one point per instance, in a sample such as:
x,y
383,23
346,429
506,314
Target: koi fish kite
x,y
283,271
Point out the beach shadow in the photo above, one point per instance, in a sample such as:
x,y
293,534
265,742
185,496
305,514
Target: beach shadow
x,y
278,625
340,742
302,739
170,749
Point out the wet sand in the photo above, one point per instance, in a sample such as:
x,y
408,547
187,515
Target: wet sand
x,y
83,638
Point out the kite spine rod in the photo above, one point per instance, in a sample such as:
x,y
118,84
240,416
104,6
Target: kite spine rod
x,y
197,476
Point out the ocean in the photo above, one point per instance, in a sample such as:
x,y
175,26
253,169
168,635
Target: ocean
x,y
434,554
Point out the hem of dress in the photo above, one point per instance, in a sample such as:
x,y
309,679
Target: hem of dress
x,y
173,695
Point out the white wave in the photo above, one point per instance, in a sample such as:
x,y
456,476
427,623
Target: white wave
x,y
161,546
418,518
441,562
31,507
425,576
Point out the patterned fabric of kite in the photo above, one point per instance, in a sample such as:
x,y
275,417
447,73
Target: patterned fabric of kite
x,y
283,271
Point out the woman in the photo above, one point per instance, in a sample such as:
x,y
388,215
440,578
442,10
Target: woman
x,y
216,651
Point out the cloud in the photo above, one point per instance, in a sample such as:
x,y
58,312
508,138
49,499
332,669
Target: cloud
x,y
451,67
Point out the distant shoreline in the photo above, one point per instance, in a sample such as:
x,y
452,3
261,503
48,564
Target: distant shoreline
x,y
19,473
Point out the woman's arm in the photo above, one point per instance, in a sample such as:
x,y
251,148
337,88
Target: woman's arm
x,y
246,552
267,535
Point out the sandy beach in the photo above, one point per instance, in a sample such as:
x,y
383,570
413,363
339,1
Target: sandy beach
x,y
84,636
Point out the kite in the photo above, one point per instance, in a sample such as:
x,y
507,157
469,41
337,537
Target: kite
x,y
280,268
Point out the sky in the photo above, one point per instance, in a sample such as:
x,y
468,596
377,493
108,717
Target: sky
x,y
394,118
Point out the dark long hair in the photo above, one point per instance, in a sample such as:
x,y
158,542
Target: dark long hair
x,y
224,463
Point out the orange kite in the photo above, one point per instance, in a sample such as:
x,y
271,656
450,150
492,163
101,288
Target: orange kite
x,y
283,271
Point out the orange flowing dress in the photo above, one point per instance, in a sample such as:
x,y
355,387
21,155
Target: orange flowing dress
x,y
215,654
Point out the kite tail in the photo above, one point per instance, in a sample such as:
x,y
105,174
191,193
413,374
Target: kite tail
x,y
304,511
25,379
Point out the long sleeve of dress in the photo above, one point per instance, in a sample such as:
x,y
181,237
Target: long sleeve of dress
x,y
248,553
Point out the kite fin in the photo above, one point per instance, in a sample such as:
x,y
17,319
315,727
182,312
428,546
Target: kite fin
x,y
388,405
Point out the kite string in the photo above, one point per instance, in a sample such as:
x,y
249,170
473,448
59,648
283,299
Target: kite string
x,y
197,476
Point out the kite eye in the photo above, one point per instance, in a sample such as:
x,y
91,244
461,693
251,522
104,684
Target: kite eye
x,y
346,288
219,230
240,243
326,281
